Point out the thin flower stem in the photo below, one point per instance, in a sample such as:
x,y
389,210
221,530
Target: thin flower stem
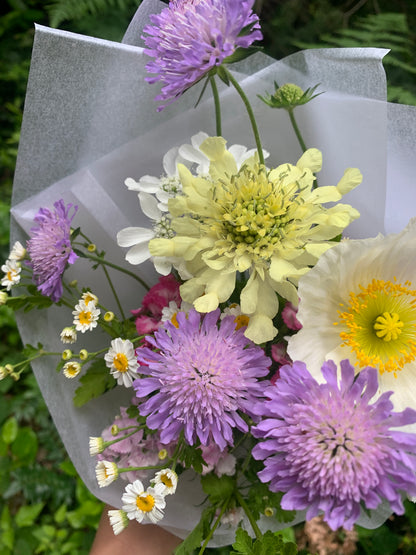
x,y
216,524
250,112
135,468
249,514
111,442
297,130
110,283
217,105
119,268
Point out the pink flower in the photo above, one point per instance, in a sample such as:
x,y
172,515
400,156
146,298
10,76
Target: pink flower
x,y
289,317
156,299
222,462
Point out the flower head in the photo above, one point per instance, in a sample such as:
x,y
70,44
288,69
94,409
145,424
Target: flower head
x,y
106,473
329,449
18,251
270,224
122,361
68,335
50,249
168,478
141,504
71,369
190,38
288,96
85,316
359,302
11,276
118,521
202,376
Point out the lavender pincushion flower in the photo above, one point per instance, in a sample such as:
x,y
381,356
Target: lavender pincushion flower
x,y
50,248
203,374
329,449
191,37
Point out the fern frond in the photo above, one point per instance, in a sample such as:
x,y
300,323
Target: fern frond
x,y
72,10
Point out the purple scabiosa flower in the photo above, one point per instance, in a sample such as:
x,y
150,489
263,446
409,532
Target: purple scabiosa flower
x,y
191,37
331,450
50,248
203,374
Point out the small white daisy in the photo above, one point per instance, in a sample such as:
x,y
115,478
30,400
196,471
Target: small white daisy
x,y
122,361
169,312
168,478
89,297
86,316
71,369
96,445
12,271
18,251
106,473
68,335
141,504
118,521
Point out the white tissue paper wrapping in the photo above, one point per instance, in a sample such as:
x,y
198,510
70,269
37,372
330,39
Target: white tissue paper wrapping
x,y
90,122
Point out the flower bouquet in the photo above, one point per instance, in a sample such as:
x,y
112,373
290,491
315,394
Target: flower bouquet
x,y
242,366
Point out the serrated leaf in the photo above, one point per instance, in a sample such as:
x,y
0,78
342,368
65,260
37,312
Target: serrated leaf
x,y
217,488
196,537
192,457
243,543
96,381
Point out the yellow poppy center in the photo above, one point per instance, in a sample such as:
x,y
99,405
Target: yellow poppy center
x,y
379,325
121,364
85,317
145,503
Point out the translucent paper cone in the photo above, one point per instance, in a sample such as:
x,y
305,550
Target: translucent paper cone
x,y
90,122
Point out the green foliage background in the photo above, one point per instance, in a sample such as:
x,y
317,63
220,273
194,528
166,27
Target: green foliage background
x,y
44,507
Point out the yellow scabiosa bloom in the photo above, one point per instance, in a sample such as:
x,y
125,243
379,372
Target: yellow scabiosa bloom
x,y
267,224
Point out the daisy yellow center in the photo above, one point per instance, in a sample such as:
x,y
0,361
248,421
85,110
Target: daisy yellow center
x,y
72,369
166,480
380,325
85,317
11,275
174,320
90,299
254,212
241,321
121,364
145,503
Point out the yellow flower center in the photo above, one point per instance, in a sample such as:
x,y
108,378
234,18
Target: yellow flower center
x,y
254,211
380,325
166,480
241,321
388,326
72,369
85,317
145,503
174,320
121,364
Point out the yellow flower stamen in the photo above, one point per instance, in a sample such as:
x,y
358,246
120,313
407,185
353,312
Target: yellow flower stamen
x,y
380,325
85,317
241,321
174,320
166,480
121,363
145,503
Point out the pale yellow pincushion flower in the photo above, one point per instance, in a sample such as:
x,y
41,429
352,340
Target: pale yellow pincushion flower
x,y
267,224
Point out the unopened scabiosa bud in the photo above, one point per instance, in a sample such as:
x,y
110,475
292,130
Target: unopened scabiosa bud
x,y
289,96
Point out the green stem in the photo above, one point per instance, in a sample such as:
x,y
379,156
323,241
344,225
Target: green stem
x,y
119,268
217,105
250,113
110,283
216,524
297,130
134,468
111,442
249,514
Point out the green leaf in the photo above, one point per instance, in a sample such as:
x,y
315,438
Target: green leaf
x,y
27,514
243,543
192,457
269,544
242,53
216,488
25,445
222,74
196,537
9,430
96,381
